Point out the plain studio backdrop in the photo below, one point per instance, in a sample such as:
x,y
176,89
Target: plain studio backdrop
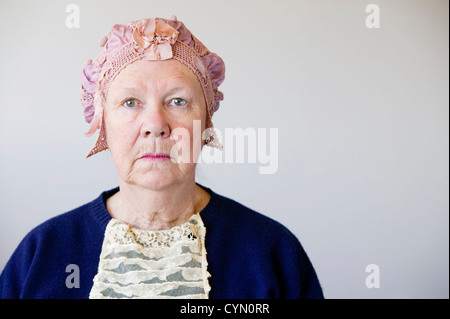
x,y
361,113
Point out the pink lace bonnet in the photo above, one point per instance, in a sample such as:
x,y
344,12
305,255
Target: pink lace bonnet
x,y
151,39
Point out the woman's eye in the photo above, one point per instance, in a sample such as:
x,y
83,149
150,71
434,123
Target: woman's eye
x,y
130,103
178,101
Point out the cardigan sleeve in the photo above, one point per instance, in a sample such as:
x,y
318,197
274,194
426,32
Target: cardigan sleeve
x,y
38,268
16,271
297,278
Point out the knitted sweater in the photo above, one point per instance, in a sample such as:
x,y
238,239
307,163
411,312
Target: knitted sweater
x,y
249,255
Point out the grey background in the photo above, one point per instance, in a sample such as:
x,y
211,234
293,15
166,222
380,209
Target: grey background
x,y
362,116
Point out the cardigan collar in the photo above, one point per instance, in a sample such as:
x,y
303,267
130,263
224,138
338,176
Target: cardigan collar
x,y
102,216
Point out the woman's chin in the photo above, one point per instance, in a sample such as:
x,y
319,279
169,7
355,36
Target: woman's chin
x,y
156,180
158,175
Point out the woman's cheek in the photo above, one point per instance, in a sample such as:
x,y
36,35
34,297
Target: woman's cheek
x,y
119,141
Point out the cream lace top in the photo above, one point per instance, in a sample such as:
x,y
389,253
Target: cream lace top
x,y
137,263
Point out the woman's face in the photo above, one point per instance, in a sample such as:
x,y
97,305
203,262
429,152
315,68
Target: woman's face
x,y
145,103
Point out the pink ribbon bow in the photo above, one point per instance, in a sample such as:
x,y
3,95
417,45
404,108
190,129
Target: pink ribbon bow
x,y
156,35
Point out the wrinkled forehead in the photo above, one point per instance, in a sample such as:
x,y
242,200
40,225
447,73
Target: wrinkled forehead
x,y
146,75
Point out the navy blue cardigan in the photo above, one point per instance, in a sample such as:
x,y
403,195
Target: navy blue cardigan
x,y
249,255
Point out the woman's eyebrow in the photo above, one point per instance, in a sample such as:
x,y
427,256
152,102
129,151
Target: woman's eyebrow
x,y
179,84
178,88
170,87
128,88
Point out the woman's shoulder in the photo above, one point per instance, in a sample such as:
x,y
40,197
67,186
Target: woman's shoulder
x,y
263,249
42,257
238,217
86,218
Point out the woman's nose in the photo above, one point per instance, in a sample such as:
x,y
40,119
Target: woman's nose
x,y
154,123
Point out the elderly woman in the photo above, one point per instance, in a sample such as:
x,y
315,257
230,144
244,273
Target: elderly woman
x,y
159,234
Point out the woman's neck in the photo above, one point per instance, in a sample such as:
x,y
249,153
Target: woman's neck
x,y
157,209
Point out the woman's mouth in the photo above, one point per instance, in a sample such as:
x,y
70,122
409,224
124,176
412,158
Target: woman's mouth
x,y
155,157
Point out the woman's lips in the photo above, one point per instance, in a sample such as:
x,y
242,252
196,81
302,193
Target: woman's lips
x,y
155,157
